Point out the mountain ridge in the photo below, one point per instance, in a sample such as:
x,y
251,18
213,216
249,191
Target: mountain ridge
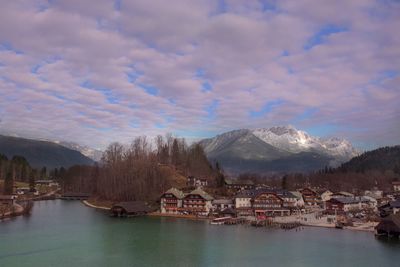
x,y
41,153
276,149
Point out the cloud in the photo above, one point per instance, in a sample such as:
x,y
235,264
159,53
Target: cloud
x,y
109,71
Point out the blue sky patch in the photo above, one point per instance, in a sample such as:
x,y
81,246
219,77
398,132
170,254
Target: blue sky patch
x,y
320,36
307,114
211,109
267,108
321,130
206,87
151,90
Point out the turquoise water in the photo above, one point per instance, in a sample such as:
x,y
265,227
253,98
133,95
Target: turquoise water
x,y
66,233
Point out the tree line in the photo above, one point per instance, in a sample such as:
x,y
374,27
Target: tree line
x,y
15,169
140,171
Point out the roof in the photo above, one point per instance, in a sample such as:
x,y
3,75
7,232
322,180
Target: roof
x,y
223,201
238,182
202,193
349,200
176,192
390,223
133,206
7,197
245,194
297,194
285,194
228,211
396,183
395,204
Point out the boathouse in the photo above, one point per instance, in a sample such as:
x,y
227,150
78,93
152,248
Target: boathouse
x,y
130,209
389,226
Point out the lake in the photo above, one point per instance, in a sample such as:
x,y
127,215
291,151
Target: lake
x,y
67,233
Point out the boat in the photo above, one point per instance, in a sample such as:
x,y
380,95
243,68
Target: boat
x,y
220,221
339,225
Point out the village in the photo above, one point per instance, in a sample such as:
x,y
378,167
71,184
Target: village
x,y
260,205
21,202
244,202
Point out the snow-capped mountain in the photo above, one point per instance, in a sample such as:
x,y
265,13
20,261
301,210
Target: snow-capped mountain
x,y
292,140
85,150
277,149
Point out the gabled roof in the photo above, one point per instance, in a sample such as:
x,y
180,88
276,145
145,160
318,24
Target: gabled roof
x,y
349,200
133,206
395,204
264,191
245,194
285,194
202,193
297,194
176,192
390,223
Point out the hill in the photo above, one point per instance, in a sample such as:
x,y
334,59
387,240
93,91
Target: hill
x,y
42,153
382,159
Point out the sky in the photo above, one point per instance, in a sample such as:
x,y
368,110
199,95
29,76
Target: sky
x,y
95,72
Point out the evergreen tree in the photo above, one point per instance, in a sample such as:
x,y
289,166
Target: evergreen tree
x,y
43,173
9,181
175,152
220,175
284,182
32,182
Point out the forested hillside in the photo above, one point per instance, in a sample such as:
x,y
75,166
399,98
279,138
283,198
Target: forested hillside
x,y
140,171
378,167
42,153
381,159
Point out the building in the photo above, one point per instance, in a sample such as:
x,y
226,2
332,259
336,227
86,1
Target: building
x,y
130,209
341,194
47,182
375,193
268,203
239,184
7,199
396,186
243,203
197,202
393,207
389,226
289,200
171,201
196,182
346,204
299,199
26,190
221,204
310,197
326,195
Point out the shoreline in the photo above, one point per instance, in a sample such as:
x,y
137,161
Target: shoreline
x,y
179,216
90,205
195,218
